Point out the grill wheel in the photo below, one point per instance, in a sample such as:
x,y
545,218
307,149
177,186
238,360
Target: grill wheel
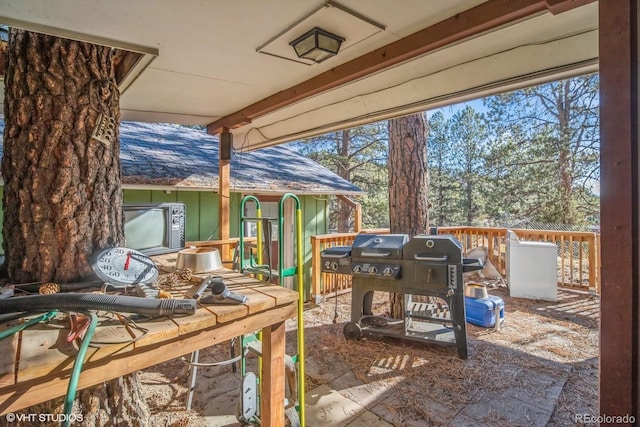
x,y
352,331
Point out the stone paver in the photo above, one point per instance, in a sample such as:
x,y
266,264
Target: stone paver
x,y
369,419
434,413
327,407
221,411
366,395
504,410
325,370
344,400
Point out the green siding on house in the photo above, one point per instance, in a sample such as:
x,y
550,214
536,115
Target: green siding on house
x,y
202,216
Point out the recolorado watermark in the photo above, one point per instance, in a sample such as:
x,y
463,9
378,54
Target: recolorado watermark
x,y
604,419
56,418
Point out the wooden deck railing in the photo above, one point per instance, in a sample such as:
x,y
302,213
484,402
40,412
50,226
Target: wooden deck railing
x,y
578,254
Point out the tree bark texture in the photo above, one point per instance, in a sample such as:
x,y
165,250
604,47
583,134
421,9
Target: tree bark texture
x,y
344,211
62,188
62,192
568,214
118,403
408,183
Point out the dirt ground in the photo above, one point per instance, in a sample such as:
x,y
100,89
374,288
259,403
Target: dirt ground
x,y
545,353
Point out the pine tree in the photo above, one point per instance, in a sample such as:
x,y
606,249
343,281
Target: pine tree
x,y
408,183
358,155
547,138
443,187
469,141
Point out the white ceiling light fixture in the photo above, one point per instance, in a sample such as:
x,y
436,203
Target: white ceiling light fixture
x,y
317,45
339,29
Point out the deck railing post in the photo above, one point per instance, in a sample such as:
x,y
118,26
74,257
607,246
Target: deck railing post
x,y
316,273
593,249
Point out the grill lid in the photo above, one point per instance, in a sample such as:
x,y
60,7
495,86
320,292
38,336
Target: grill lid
x,y
388,246
336,259
440,248
337,252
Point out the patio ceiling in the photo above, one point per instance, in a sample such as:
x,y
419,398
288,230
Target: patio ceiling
x,y
228,64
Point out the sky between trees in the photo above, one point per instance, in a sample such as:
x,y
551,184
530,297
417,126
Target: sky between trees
x,y
528,156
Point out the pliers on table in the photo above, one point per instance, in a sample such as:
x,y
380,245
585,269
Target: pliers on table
x,y
78,325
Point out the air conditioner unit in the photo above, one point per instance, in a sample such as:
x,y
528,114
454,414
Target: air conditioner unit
x,y
532,269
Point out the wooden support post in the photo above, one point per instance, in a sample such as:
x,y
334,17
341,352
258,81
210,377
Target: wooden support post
x,y
357,225
224,192
272,387
316,271
357,212
619,195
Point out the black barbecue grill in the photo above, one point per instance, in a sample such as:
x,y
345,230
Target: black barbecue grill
x,y
425,265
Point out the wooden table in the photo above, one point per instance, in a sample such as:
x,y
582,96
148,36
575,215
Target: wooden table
x,y
36,364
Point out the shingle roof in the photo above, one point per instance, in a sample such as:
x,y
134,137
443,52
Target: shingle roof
x,y
170,155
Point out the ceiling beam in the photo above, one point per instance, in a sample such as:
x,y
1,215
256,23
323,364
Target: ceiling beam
x,y
484,17
559,6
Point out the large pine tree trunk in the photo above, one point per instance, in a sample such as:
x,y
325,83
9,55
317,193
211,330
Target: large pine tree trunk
x,y
62,190
344,211
568,214
408,183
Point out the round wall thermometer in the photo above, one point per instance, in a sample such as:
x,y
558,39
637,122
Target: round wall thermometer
x,y
123,266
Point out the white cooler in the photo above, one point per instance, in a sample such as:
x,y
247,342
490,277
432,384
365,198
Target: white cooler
x,y
532,269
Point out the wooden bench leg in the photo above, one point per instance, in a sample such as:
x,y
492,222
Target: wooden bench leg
x,y
273,378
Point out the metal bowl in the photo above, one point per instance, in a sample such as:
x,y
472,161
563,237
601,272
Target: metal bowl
x,y
199,260
475,290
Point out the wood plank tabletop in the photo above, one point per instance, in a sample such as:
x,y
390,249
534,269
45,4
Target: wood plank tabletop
x,y
36,363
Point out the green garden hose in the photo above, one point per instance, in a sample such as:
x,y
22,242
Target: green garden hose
x,y
77,367
43,318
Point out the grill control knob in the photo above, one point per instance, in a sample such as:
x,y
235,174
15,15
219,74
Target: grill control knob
x,y
357,269
388,271
334,266
372,270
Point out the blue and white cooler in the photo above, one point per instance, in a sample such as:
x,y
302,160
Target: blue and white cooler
x,y
483,309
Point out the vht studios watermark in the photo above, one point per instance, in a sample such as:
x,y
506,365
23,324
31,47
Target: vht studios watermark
x,y
604,419
56,418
